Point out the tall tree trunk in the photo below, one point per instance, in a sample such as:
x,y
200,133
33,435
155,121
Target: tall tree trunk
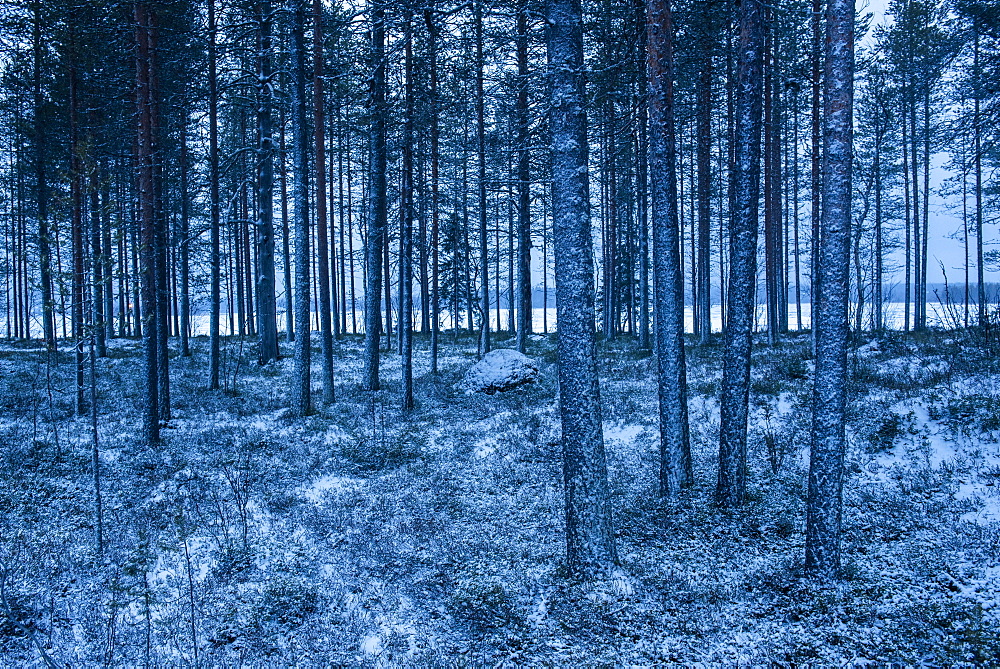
x,y
76,225
590,544
432,32
704,149
97,262
675,452
301,390
406,217
266,308
815,58
523,183
377,203
322,244
41,185
185,244
826,460
160,228
147,220
735,393
484,331
215,257
641,181
978,160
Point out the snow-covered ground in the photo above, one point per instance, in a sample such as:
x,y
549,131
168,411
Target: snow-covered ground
x,y
366,536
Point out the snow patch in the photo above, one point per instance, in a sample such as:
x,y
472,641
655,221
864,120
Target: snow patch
x,y
316,491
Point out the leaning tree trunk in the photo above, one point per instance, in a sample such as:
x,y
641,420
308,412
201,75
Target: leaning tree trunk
x,y
301,384
377,203
826,460
735,393
675,452
590,544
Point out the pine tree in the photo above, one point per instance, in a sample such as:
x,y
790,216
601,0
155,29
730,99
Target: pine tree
x,y
590,544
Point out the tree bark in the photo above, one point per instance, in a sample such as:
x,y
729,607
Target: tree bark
x,y
322,242
826,461
675,453
590,544
301,390
266,307
523,183
147,222
484,294
735,392
215,257
377,203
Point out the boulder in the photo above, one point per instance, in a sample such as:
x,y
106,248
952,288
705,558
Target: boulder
x,y
500,370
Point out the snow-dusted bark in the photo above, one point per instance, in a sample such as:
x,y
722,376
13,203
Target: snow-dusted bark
x,y
706,47
590,545
826,461
266,311
484,288
147,224
735,393
215,256
406,219
301,390
377,204
675,452
523,183
322,245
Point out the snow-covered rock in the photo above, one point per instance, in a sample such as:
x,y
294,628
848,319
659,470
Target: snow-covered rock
x,y
501,369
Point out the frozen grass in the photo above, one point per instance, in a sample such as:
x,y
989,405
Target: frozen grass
x,y
365,536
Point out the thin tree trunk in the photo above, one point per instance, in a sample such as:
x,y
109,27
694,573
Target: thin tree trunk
x,y
147,222
523,183
322,244
432,32
406,218
484,330
704,150
301,388
484,334
675,453
215,258
42,191
266,308
377,204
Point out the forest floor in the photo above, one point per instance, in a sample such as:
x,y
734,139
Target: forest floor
x,y
365,536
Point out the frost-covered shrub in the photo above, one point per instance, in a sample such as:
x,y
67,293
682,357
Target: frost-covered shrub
x,y
367,455
971,414
286,602
886,429
484,602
